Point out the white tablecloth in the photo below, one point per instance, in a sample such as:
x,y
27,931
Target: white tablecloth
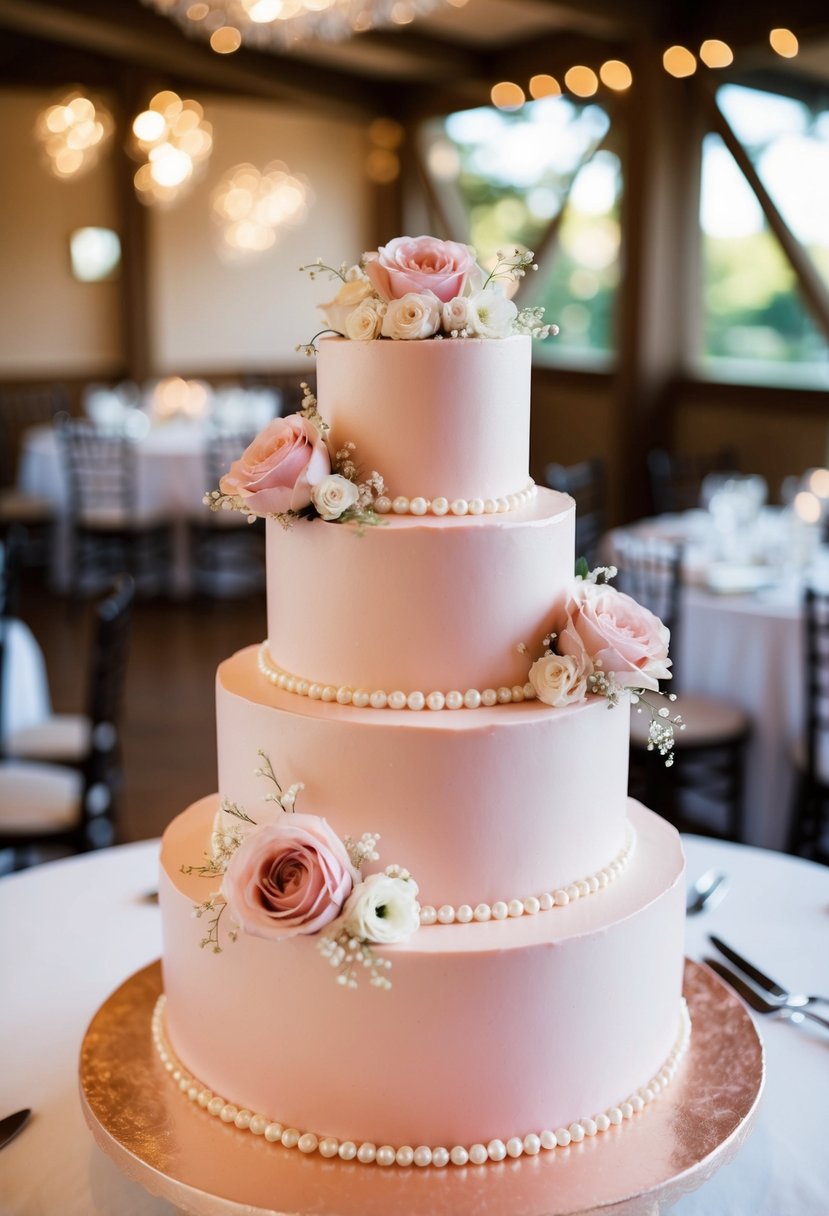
x,y
74,930
25,689
170,479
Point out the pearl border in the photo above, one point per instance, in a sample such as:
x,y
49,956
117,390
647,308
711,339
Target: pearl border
x,y
362,698
384,1155
446,914
401,505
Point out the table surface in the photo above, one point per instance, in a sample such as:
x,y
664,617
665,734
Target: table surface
x,y
75,929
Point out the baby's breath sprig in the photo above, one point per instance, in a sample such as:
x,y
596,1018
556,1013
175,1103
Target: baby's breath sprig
x,y
530,320
661,731
309,409
217,501
283,798
309,348
362,850
347,954
314,269
233,808
512,266
215,906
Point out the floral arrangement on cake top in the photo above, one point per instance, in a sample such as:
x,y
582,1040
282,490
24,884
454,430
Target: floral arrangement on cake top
x,y
421,287
289,472
607,644
294,877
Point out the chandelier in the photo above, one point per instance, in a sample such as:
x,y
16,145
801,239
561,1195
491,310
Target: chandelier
x,y
269,24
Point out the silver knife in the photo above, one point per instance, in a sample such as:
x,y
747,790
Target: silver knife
x,y
12,1124
764,981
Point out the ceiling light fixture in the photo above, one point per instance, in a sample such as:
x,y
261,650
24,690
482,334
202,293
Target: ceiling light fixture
x,y
276,24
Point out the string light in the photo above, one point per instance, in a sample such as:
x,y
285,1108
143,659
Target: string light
x,y
679,61
784,43
253,207
616,75
716,54
73,133
507,96
176,141
544,86
581,80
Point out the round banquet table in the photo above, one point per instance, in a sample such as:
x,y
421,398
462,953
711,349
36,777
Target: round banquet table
x,y
75,929
170,479
743,643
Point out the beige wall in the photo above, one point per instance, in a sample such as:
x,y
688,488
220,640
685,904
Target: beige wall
x,y
49,323
205,315
211,316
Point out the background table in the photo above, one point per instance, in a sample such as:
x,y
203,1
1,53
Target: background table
x,y
746,648
74,930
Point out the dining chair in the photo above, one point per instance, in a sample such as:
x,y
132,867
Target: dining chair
x,y
21,409
586,482
72,804
223,545
809,833
703,791
676,480
110,533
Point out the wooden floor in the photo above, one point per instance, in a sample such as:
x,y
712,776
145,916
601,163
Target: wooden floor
x,y
168,724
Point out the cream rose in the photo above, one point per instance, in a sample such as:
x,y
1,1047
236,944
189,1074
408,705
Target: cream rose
x,y
382,909
455,314
338,310
288,878
419,264
364,323
619,635
491,314
412,316
278,471
560,679
334,495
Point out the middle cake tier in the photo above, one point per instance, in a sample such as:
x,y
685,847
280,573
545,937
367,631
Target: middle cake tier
x,y
418,604
500,804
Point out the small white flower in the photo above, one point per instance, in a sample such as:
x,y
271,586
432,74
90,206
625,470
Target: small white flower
x,y
455,314
364,322
491,314
414,315
382,909
560,679
338,310
334,495
225,838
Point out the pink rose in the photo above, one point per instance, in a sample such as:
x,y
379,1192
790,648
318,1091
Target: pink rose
x,y
288,877
419,264
280,468
618,634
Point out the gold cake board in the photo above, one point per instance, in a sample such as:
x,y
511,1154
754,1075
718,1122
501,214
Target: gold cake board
x,y
206,1168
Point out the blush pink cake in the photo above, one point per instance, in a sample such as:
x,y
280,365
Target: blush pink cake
x,y
439,688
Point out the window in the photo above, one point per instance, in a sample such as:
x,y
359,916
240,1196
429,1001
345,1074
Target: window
x,y
514,175
755,325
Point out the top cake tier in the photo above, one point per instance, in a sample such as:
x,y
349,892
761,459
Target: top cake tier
x,y
439,419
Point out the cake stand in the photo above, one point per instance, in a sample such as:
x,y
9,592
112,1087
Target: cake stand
x,y
206,1168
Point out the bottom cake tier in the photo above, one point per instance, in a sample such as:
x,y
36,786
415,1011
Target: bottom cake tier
x,y
498,1033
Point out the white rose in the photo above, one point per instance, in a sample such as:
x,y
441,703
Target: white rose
x,y
334,495
559,679
415,315
352,293
382,909
363,324
491,314
455,314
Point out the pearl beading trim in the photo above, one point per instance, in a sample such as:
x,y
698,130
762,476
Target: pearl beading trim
x,y
377,698
423,1155
446,914
401,505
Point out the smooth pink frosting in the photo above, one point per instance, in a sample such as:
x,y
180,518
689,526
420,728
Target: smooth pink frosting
x,y
480,805
488,1029
419,603
437,418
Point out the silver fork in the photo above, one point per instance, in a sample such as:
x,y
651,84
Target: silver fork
x,y
706,892
759,1003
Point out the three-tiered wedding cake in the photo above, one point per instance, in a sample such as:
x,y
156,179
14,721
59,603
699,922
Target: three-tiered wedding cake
x,y
437,692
